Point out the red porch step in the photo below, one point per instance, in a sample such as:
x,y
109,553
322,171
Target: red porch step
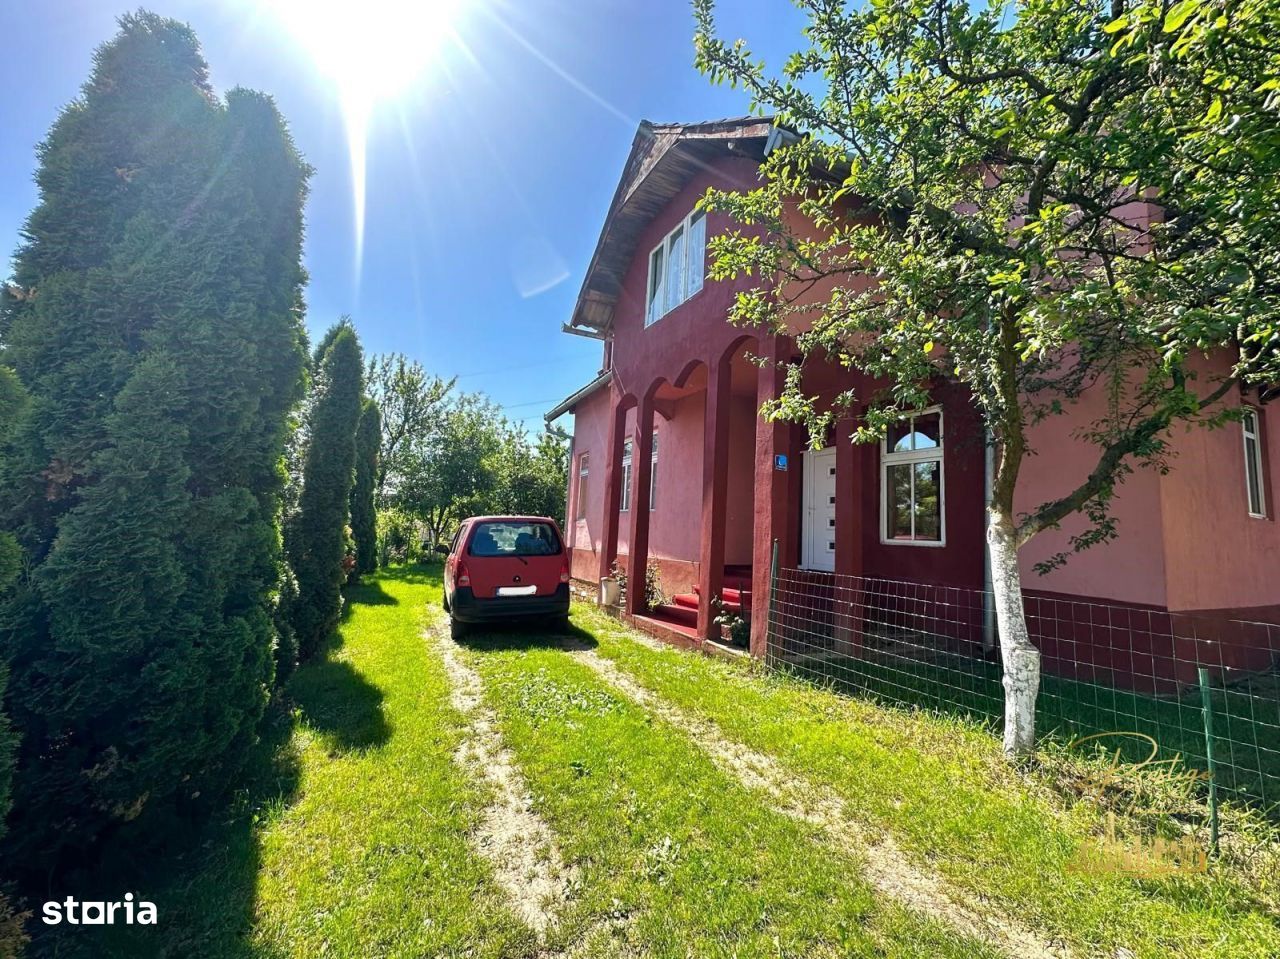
x,y
690,601
679,612
733,600
728,594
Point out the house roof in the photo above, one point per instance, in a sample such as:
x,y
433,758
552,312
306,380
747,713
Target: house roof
x,y
566,405
663,158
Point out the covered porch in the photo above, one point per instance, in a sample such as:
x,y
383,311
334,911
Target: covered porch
x,y
707,505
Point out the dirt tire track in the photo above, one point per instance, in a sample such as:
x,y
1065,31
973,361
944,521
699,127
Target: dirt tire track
x,y
886,867
514,839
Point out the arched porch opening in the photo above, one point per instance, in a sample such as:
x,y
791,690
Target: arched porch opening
x,y
691,512
658,524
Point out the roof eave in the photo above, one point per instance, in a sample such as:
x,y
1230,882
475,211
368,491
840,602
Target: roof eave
x,y
566,405
731,133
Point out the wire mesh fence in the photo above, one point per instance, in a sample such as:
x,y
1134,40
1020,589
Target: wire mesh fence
x,y
1129,672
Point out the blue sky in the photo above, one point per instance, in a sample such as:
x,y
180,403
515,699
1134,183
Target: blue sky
x,y
488,175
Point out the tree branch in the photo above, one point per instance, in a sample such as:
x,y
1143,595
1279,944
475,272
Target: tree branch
x,y
1104,473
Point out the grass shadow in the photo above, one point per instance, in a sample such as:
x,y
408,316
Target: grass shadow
x,y
413,573
203,882
494,637
368,593
341,705
204,879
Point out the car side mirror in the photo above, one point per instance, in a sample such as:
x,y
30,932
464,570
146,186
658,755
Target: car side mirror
x,y
442,549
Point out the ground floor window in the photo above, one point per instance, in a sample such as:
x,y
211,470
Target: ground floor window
x,y
911,481
626,477
653,473
1253,464
584,467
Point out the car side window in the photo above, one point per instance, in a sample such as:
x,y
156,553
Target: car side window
x,y
453,546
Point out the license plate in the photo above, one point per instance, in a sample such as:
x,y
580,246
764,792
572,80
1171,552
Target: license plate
x,y
517,590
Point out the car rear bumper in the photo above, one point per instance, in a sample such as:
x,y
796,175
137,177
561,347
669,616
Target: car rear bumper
x,y
468,609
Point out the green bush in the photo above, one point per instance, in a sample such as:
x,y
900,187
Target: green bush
x,y
400,538
286,651
319,539
653,595
154,319
364,515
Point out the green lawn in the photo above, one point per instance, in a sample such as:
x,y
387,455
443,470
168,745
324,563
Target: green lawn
x,y
356,831
1246,722
940,787
692,862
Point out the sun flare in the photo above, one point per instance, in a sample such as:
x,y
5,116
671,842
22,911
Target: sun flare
x,y
371,51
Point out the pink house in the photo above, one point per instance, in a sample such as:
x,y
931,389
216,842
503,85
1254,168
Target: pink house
x,y
671,464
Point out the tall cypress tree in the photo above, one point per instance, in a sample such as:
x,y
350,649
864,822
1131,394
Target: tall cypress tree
x,y
317,537
11,405
157,327
364,514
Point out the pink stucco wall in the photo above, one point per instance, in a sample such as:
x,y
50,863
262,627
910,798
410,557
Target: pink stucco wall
x,y
674,526
740,507
696,330
1131,568
1216,555
1186,540
590,434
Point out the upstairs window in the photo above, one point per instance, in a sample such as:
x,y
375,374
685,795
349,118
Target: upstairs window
x,y
653,473
626,477
584,468
677,267
911,481
1253,464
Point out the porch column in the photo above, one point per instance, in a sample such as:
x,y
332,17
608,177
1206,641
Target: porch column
x,y
715,489
777,492
638,542
851,513
612,487
571,493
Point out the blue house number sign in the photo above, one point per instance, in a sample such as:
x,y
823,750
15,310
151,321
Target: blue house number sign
x,y
780,461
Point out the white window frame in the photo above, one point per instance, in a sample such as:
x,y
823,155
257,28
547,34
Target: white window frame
x,y
1253,432
653,474
911,457
660,299
584,472
625,505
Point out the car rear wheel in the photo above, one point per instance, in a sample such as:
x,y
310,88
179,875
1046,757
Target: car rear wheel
x,y
457,628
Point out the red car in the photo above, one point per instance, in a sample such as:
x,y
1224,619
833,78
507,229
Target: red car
x,y
502,568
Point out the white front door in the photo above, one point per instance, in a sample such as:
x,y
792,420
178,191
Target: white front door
x,y
818,539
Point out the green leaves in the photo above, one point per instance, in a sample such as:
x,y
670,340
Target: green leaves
x,y
1179,13
988,220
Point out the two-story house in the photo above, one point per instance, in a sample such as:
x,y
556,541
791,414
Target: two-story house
x,y
672,465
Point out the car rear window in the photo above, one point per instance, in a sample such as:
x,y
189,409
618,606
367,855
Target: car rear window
x,y
514,539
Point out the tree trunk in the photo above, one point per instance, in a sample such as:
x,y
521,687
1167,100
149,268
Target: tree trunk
x,y
1021,658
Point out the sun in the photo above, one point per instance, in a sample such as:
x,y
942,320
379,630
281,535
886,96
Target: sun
x,y
371,51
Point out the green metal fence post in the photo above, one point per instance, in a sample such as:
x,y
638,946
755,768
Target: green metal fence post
x,y
773,598
1206,704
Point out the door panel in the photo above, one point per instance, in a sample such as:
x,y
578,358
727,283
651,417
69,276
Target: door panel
x,y
818,536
